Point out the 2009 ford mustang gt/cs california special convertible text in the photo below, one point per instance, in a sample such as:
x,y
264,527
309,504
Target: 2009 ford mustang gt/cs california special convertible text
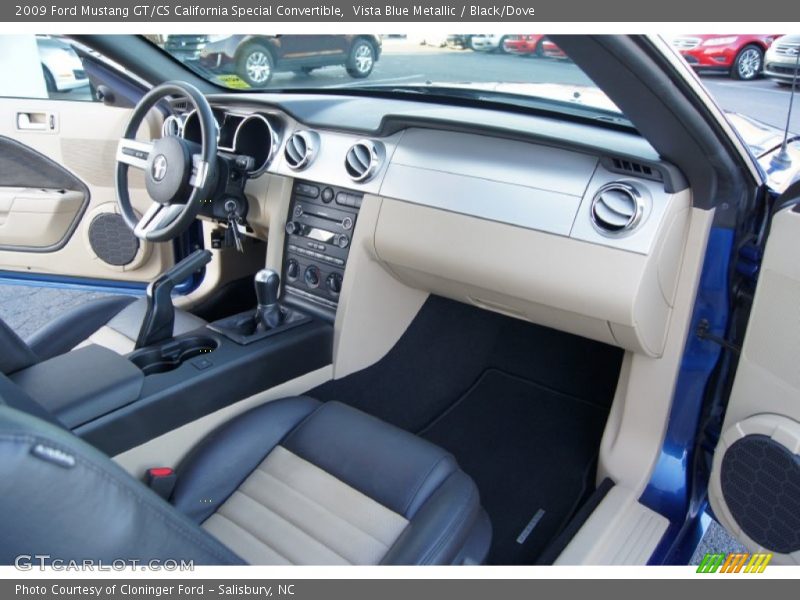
x,y
388,321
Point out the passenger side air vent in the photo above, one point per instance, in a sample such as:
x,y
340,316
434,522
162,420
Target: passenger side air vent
x,y
363,160
616,208
300,150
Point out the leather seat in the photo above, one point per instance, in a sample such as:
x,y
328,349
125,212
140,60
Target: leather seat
x,y
293,481
110,322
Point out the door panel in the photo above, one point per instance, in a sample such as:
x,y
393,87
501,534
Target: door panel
x,y
755,480
40,202
37,218
82,145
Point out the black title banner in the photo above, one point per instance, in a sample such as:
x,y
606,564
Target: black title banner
x,y
255,11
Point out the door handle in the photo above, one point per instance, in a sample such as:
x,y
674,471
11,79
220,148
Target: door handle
x,y
36,121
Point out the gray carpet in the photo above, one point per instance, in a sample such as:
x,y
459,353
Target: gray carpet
x,y
25,308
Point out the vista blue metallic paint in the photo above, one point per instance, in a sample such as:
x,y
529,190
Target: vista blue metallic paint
x,y
72,283
669,491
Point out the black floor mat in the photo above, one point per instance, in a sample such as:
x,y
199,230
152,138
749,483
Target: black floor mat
x,y
531,450
450,344
522,408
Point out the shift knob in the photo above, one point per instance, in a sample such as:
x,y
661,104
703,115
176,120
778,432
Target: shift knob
x,y
268,313
267,283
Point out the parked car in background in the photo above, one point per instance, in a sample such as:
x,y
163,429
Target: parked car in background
x,y
492,42
551,50
459,40
255,58
740,55
781,59
525,45
428,39
62,68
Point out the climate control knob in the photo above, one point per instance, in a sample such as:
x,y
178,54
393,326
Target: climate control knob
x,y
334,283
294,228
292,267
311,276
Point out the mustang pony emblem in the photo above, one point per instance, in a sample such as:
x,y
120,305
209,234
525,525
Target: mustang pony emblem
x,y
159,167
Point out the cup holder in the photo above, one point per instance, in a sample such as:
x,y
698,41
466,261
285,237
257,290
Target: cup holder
x,y
170,356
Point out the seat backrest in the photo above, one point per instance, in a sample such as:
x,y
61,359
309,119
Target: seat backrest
x,y
62,498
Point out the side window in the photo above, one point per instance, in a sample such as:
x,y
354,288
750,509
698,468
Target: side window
x,y
42,66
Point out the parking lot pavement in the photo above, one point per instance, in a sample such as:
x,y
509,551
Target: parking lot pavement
x,y
26,308
83,94
762,99
716,539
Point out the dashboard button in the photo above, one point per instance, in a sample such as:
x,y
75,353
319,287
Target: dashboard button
x,y
306,189
327,195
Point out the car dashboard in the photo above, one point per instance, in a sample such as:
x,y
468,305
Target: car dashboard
x,y
562,223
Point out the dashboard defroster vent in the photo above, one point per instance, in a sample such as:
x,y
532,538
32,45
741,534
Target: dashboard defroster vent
x,y
616,208
301,148
363,160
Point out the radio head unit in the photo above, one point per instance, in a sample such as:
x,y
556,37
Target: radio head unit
x,y
319,229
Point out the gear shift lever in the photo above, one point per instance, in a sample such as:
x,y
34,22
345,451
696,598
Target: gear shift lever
x,y
268,313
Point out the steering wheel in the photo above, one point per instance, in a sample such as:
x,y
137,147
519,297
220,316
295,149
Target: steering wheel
x,y
178,174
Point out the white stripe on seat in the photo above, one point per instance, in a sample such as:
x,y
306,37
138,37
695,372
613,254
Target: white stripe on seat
x,y
291,510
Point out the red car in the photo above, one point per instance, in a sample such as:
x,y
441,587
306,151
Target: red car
x,y
740,55
550,50
529,45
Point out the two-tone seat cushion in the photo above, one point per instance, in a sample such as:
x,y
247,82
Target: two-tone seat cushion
x,y
293,481
296,481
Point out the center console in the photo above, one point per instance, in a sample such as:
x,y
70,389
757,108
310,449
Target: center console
x,y
319,231
117,402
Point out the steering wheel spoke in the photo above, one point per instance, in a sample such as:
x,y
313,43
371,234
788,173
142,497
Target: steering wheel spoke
x,y
134,153
157,218
199,171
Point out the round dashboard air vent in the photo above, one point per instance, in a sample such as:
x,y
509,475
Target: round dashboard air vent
x,y
172,126
363,160
616,208
300,150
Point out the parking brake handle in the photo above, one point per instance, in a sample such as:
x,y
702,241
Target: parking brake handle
x,y
159,318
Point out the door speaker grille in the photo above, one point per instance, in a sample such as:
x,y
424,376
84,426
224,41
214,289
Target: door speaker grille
x,y
112,241
761,485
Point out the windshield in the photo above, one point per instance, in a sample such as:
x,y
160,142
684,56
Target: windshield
x,y
524,70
